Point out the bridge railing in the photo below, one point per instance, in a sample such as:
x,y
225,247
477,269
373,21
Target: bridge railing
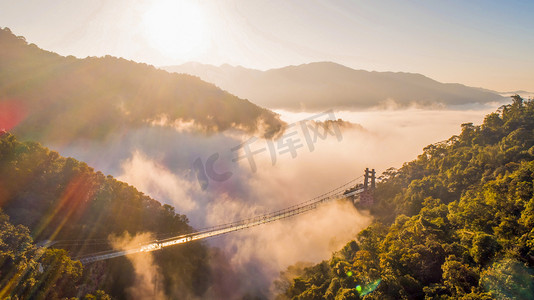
x,y
337,193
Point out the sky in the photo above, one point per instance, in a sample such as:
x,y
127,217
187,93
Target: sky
x,y
478,43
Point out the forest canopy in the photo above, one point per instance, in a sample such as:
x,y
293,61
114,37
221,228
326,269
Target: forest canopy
x,y
51,198
455,223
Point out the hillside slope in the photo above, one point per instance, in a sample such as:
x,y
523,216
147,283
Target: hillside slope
x,y
326,85
31,272
65,200
456,223
49,97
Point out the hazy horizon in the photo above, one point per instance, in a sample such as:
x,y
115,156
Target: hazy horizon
x,y
478,43
224,64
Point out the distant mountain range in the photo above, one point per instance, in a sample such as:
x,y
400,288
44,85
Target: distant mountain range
x,y
324,85
48,97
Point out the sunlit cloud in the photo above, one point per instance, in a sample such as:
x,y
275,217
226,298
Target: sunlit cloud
x,y
159,161
157,181
146,285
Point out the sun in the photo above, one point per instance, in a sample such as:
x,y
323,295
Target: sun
x,y
176,28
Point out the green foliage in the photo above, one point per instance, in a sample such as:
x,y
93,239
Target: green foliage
x,y
509,279
27,271
458,277
484,248
99,295
61,199
456,223
347,294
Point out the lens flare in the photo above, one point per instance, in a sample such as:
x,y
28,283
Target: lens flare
x,y
11,114
368,288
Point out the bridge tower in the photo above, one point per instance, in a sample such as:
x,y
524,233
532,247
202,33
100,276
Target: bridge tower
x,y
366,179
366,197
369,174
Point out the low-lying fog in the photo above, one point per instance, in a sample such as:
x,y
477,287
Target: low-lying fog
x,y
197,174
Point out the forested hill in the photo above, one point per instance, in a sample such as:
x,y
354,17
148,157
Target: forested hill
x,y
456,223
54,198
54,98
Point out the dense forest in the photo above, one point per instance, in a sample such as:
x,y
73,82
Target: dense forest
x,y
455,223
55,99
48,197
30,272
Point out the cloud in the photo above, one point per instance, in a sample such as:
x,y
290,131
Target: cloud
x,y
159,161
146,284
271,248
157,181
388,138
265,250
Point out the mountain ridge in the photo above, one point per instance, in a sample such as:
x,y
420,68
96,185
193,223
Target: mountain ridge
x,y
93,97
323,85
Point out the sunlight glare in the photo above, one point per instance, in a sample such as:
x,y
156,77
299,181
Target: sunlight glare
x,y
176,28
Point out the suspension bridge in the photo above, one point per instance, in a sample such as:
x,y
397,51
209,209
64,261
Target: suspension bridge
x,y
358,192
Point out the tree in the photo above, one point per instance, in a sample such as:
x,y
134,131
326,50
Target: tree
x,y
508,279
58,198
455,223
31,272
458,277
